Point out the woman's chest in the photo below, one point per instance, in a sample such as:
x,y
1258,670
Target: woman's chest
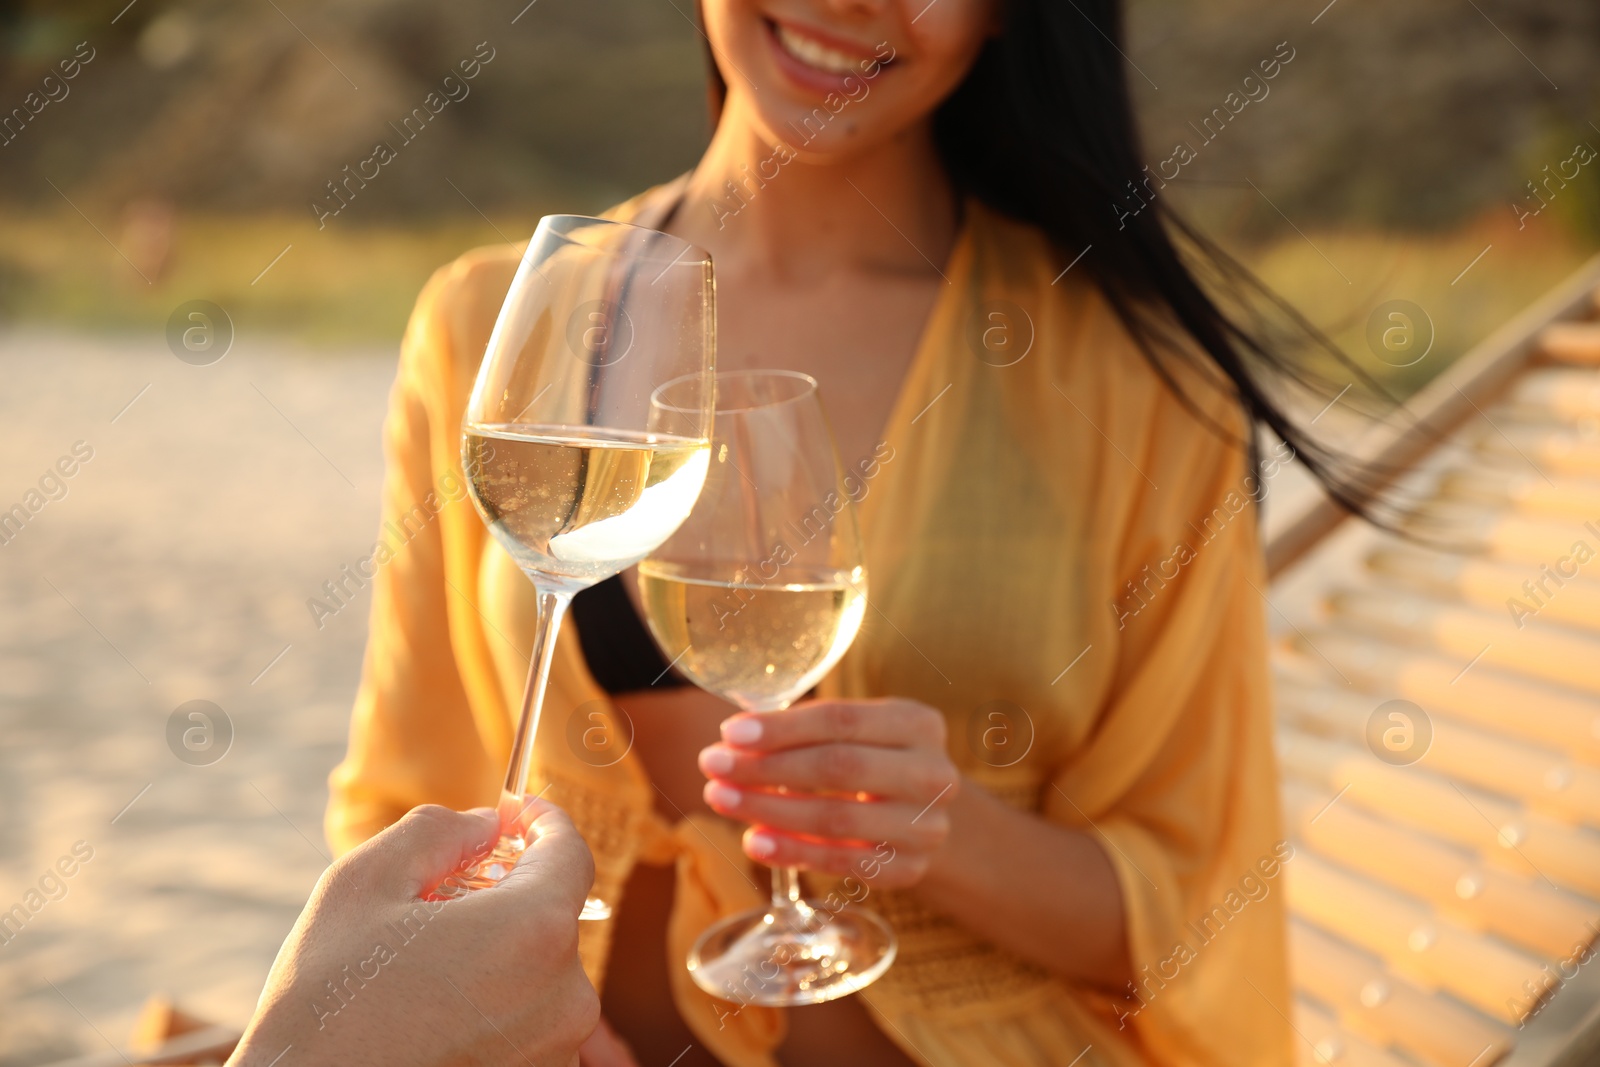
x,y
856,334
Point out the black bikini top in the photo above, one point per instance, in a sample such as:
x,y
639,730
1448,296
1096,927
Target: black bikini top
x,y
622,655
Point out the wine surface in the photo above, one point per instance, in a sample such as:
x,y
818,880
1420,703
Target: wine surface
x,y
575,506
758,644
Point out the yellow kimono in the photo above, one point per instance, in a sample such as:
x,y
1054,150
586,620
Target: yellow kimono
x,y
1063,559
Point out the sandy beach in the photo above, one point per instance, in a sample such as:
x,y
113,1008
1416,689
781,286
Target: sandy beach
x,y
172,565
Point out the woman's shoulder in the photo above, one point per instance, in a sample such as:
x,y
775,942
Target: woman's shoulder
x,y
464,287
457,307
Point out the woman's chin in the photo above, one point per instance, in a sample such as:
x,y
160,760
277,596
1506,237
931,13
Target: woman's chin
x,y
807,146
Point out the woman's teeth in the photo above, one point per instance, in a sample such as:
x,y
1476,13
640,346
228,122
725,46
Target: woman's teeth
x,y
812,54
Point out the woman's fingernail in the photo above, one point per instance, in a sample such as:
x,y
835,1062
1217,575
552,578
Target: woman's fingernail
x,y
760,845
720,795
742,731
715,760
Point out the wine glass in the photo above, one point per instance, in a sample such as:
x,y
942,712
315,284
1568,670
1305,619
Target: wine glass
x,y
575,469
755,598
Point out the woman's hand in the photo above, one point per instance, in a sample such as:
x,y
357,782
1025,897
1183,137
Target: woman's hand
x,y
824,784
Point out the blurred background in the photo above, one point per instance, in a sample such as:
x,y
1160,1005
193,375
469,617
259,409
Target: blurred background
x,y
1403,152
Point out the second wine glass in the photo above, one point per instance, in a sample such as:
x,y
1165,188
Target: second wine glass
x,y
755,598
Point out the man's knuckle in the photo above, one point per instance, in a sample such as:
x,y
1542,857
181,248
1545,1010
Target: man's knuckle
x,y
428,815
573,1011
548,932
334,887
585,1006
432,812
580,861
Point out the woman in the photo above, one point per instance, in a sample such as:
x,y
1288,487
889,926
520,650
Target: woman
x,y
1058,705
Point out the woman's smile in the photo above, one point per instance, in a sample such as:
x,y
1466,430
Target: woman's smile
x,y
820,62
818,50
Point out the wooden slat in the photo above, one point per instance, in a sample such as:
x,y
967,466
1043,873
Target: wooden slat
x,y
1554,653
1529,913
1531,539
1570,450
1388,1010
1323,1043
1488,583
1524,490
1557,394
1567,721
1439,953
1571,342
1539,777
1504,834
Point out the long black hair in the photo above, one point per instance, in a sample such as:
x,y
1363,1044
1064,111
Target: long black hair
x,y
1043,130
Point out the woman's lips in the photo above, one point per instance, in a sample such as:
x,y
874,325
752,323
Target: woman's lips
x,y
818,64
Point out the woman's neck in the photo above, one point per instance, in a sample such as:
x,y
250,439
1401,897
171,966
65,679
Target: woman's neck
x,y
792,217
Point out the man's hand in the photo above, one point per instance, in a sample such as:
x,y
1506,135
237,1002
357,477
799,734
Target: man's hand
x,y
371,974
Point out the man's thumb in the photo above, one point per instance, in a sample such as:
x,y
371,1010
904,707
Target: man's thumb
x,y
424,848
557,863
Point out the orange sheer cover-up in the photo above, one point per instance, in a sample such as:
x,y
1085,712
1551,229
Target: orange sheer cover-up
x,y
1001,533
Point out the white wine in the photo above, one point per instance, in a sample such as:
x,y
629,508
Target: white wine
x,y
574,507
759,644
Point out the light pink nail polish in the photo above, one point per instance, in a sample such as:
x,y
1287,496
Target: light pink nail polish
x,y
761,846
715,760
719,795
745,731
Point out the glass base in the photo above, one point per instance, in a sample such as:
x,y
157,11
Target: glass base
x,y
786,957
491,867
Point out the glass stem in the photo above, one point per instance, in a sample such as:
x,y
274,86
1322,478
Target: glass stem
x,y
787,900
552,609
789,906
785,887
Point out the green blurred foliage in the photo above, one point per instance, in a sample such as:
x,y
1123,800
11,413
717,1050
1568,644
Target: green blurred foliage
x,y
249,107
1390,149
1411,116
